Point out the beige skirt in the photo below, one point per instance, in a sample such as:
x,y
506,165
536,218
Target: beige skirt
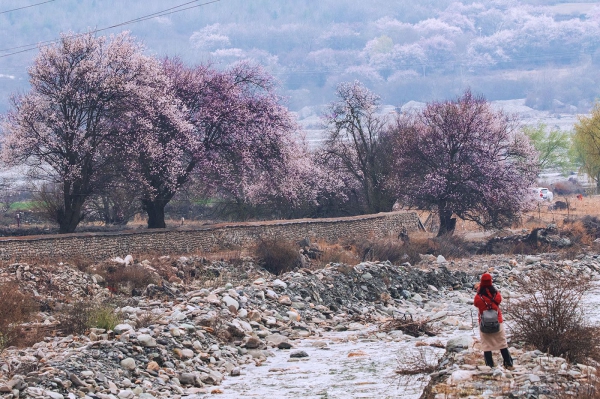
x,y
493,341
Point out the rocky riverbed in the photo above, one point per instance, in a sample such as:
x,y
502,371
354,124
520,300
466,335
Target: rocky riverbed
x,y
312,333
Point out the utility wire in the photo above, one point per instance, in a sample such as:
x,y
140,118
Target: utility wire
x,y
168,11
21,8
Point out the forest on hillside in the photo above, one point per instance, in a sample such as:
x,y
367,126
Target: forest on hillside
x,y
546,51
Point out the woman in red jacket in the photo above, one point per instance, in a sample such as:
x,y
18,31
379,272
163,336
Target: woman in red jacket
x,y
488,297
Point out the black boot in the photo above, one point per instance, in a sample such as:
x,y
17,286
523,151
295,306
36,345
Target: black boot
x,y
489,359
508,362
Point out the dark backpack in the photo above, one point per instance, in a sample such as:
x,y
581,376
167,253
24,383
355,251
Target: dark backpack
x,y
489,319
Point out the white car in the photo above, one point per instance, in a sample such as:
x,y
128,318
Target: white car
x,y
542,194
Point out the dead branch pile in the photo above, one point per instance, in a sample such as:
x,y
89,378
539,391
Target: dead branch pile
x,y
410,326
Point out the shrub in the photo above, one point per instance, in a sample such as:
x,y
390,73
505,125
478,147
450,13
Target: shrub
x,y
549,316
566,187
104,316
75,318
277,256
16,308
130,279
147,319
453,246
397,251
383,249
78,317
591,225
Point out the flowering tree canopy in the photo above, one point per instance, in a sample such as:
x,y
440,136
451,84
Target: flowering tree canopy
x,y
353,150
158,143
64,128
463,158
242,137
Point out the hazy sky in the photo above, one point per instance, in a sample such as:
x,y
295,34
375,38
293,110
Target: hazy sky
x,y
543,50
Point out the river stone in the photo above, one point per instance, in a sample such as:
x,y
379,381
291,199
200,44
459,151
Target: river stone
x,y
188,378
276,339
230,302
532,259
293,315
146,340
280,284
272,294
461,375
121,328
253,343
285,300
128,363
153,366
53,395
126,394
298,354
187,353
458,344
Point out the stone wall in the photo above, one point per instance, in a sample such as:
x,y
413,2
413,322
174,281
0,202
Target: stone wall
x,y
186,240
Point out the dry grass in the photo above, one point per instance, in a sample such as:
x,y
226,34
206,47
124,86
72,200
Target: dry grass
x,y
277,256
336,253
16,308
130,280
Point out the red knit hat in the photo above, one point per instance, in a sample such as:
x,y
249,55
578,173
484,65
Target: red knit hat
x,y
486,280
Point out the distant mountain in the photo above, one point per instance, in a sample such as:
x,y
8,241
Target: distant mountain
x,y
309,117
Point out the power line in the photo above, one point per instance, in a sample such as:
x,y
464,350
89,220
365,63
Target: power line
x,y
168,11
21,8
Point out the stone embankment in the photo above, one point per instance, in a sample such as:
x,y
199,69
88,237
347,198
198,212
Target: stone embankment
x,y
211,336
186,240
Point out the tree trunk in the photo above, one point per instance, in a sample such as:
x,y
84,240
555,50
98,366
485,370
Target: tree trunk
x,y
447,223
69,217
156,212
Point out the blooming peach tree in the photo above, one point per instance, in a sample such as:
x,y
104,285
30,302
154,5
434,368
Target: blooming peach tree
x,y
66,126
354,150
226,130
462,158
